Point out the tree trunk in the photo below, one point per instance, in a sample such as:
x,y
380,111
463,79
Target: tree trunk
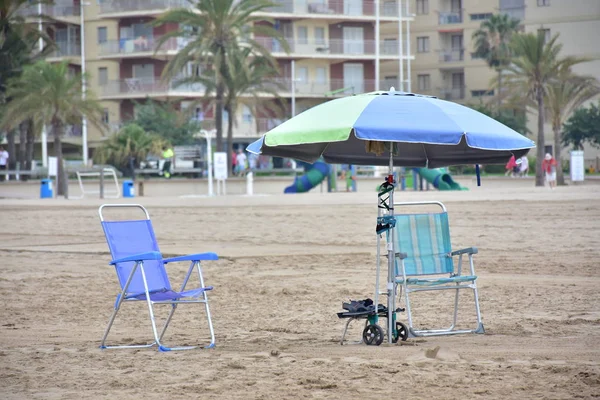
x,y
499,96
560,176
23,128
61,177
229,139
539,174
219,115
29,148
11,148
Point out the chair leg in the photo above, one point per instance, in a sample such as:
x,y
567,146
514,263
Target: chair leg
x,y
118,302
174,306
206,308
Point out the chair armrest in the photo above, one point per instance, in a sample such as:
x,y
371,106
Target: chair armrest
x,y
193,257
401,256
153,255
468,250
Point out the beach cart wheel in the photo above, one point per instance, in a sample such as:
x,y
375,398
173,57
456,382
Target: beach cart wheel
x,y
401,332
373,335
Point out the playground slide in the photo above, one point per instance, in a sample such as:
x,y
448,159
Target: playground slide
x,y
314,174
440,178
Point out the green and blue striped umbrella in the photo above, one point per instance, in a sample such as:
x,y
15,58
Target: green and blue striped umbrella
x,y
422,131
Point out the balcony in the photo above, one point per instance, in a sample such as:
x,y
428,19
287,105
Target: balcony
x,y
335,48
66,49
446,18
452,93
454,55
141,46
60,10
266,124
315,8
140,6
149,87
345,8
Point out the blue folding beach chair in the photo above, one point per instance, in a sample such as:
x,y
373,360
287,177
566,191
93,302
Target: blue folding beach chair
x,y
143,277
425,262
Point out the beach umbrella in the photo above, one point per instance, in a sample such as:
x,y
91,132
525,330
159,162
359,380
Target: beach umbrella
x,y
395,129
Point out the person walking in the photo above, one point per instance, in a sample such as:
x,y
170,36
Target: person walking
x,y
241,162
167,155
549,168
511,167
3,162
524,167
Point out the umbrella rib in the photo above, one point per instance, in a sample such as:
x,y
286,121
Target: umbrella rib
x,y
426,158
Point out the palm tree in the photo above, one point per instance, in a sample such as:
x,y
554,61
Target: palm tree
x,y
51,95
535,65
564,95
132,141
214,32
492,43
18,48
252,80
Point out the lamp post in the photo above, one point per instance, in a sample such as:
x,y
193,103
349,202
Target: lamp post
x,y
44,132
208,136
293,88
377,45
84,142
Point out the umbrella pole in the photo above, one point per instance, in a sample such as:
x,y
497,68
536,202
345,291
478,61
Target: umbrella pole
x,y
391,300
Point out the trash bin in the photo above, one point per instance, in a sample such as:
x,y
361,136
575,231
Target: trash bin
x,y
46,191
128,189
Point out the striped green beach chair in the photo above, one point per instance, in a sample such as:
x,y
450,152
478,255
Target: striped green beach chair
x,y
425,262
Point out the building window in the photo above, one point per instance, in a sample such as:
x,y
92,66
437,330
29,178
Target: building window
x,y
480,17
424,82
390,8
320,75
389,81
319,35
102,76
543,3
102,35
546,34
105,116
480,93
423,44
246,114
422,7
390,46
302,35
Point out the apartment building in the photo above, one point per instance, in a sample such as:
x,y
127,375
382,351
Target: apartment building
x,y
65,31
445,65
333,43
423,46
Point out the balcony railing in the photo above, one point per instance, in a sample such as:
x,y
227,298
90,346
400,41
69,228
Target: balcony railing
x,y
366,8
136,87
66,49
514,12
450,18
118,6
452,93
452,55
331,47
266,124
52,10
141,44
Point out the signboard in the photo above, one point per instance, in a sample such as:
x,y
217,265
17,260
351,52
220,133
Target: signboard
x,y
52,166
577,166
220,165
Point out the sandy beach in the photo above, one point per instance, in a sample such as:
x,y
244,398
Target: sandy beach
x,y
287,264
